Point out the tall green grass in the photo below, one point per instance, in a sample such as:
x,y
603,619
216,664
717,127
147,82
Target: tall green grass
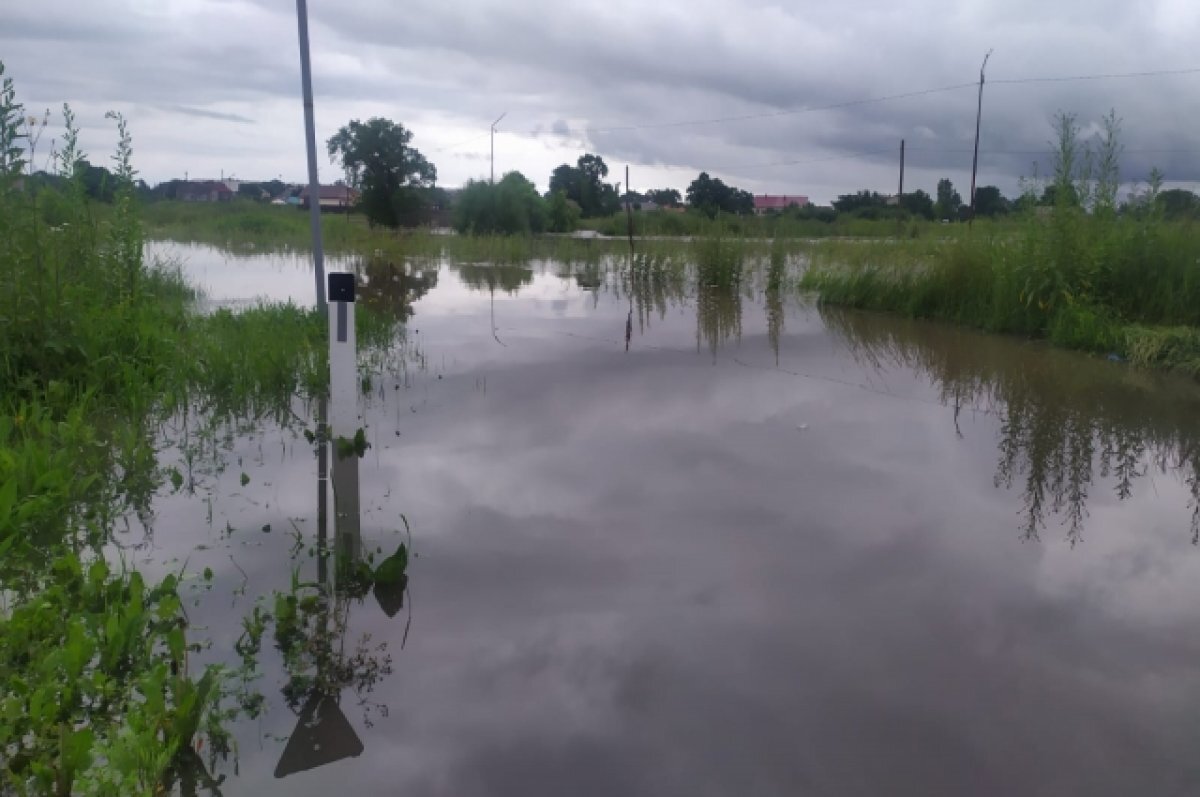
x,y
1101,284
1078,274
97,350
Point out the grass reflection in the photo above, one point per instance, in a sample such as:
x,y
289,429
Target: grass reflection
x,y
1065,421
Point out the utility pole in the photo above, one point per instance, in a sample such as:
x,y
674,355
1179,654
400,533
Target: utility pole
x,y
900,195
978,118
310,140
494,145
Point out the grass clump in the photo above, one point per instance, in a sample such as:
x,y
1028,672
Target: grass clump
x,y
1079,273
97,350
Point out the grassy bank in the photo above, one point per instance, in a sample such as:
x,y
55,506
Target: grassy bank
x,y
1084,272
788,226
97,350
1123,286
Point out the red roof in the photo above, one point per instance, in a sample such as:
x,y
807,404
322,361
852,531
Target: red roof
x,y
771,202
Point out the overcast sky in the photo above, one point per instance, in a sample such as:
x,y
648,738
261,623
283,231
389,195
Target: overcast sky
x,y
213,86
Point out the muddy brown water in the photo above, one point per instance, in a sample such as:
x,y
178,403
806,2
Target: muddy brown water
x,y
769,549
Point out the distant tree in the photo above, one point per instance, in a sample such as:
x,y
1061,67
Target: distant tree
x,y
562,214
1177,203
948,200
710,196
256,191
593,167
584,184
918,203
98,182
665,197
1051,195
508,277
511,206
565,179
848,203
811,212
379,162
989,201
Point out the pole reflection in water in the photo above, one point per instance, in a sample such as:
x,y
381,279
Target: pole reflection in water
x,y
323,734
311,625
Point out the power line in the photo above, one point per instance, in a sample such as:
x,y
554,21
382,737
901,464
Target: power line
x,y
1105,76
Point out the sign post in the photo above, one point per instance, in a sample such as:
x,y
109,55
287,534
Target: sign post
x,y
344,423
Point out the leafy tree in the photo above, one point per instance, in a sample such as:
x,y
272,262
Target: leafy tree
x,y
665,197
1051,196
593,167
711,196
252,191
511,206
1177,203
584,184
98,182
378,161
562,213
989,201
948,200
918,203
811,212
848,203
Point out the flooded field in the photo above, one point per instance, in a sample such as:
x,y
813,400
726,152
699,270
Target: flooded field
x,y
675,537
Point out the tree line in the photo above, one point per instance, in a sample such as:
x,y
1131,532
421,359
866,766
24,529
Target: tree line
x,y
397,187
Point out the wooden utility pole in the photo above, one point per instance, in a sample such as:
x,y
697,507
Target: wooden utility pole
x,y
900,196
978,117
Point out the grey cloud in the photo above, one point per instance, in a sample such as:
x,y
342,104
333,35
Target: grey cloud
x,y
563,69
206,114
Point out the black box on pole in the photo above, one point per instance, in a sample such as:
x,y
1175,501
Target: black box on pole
x,y
341,287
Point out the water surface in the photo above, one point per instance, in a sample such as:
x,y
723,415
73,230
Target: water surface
x,y
679,540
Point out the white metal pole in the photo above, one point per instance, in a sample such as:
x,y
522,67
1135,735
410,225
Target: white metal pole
x,y
310,140
342,356
344,424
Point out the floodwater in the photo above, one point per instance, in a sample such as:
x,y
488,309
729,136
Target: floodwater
x,y
672,541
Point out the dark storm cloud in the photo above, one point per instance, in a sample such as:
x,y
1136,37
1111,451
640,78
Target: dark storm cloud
x,y
592,75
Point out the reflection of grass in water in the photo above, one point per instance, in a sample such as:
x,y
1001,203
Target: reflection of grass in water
x,y
1064,420
652,281
718,316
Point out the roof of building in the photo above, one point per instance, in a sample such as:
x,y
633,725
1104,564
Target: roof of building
x,y
773,202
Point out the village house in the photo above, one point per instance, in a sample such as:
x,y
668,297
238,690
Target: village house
x,y
333,198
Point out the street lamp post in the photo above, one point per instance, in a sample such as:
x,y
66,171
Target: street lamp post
x,y
493,178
